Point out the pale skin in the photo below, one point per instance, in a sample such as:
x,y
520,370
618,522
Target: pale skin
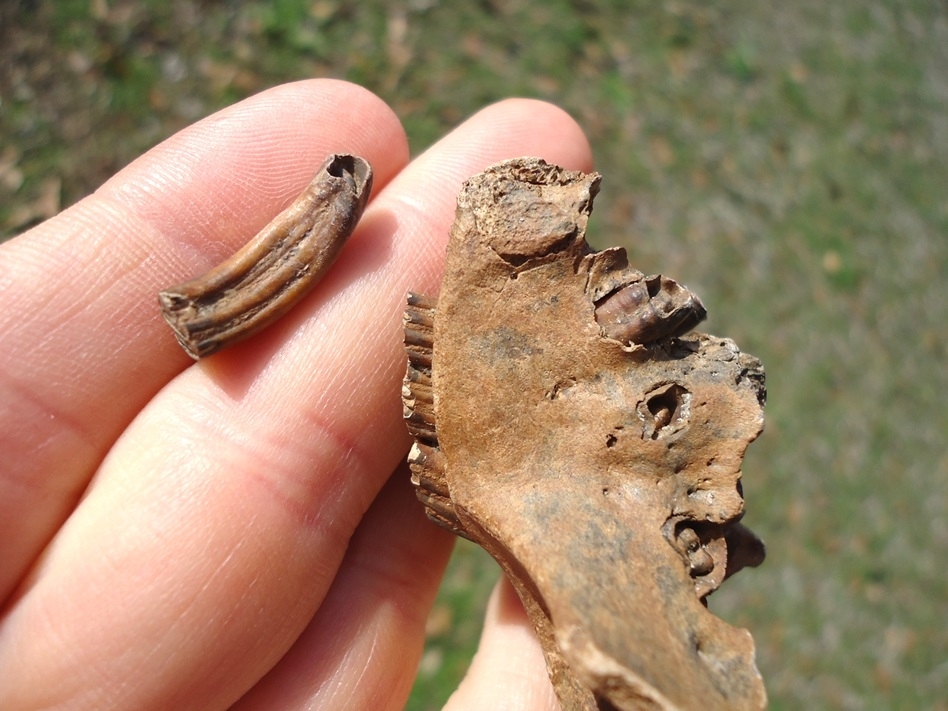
x,y
238,532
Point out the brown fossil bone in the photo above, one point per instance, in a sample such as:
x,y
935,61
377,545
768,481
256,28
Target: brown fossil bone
x,y
565,420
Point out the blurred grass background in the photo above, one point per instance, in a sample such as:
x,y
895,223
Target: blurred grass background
x,y
788,161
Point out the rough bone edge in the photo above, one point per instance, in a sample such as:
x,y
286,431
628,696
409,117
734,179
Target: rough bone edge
x,y
525,235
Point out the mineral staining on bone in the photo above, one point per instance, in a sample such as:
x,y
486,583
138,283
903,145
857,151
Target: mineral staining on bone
x,y
567,421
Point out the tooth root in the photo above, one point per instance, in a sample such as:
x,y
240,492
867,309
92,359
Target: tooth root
x,y
700,562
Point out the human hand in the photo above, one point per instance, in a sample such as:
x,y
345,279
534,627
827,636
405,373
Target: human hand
x,y
225,533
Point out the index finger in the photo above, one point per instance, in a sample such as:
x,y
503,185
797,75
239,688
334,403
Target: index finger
x,y
82,347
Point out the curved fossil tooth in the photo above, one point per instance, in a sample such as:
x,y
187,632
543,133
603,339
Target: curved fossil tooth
x,y
265,278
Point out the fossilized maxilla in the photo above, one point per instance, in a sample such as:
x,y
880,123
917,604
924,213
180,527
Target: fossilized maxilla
x,y
566,420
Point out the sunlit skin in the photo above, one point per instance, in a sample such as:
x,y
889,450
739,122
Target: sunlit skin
x,y
222,534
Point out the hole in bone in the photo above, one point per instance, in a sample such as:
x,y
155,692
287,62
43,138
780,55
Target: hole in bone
x,y
691,539
667,407
663,408
610,440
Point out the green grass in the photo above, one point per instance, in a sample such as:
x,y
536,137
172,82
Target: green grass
x,y
788,161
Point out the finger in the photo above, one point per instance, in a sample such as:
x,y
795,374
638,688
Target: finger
x,y
508,672
82,345
361,650
211,534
